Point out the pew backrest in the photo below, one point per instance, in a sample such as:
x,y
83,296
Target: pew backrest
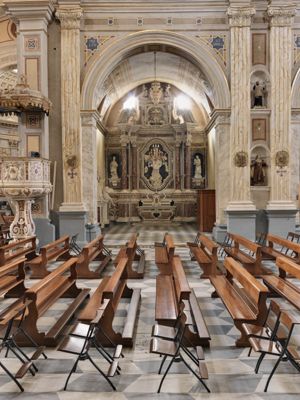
x,y
17,249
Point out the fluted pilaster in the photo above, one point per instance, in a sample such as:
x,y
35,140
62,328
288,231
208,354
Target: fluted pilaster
x,y
70,104
281,19
240,21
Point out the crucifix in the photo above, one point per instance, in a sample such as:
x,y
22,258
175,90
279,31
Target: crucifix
x,y
72,174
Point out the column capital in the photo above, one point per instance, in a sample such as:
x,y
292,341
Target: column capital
x,y
240,16
281,15
69,16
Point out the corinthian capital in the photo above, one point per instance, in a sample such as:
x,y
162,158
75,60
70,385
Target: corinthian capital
x,y
281,15
69,17
240,16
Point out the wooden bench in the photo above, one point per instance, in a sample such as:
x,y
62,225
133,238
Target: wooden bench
x,y
243,296
57,250
93,251
282,286
133,252
205,253
251,262
12,276
164,253
111,290
173,289
59,283
18,249
269,252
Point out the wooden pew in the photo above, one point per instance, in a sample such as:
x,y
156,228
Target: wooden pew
x,y
59,283
94,250
111,290
171,290
269,252
252,263
133,252
164,253
12,276
243,296
15,250
57,250
281,285
205,253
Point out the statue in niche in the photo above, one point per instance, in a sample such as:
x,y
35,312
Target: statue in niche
x,y
198,168
198,179
259,93
156,167
258,172
113,169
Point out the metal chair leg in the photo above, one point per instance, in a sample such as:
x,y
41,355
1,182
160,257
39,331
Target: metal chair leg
x,y
272,372
101,372
196,375
12,377
71,372
165,374
249,352
161,364
259,361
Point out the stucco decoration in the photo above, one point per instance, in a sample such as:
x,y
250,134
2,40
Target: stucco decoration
x,y
241,159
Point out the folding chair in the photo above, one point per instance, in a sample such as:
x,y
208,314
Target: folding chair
x,y
80,346
171,348
280,348
81,330
269,330
15,314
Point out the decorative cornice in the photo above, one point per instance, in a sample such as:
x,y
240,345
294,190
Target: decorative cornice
x,y
19,10
240,16
281,15
69,17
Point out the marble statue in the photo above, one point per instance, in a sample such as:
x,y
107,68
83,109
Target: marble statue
x,y
198,168
154,161
113,169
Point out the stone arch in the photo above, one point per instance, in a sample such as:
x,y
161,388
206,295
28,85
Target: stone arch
x,y
295,101
105,63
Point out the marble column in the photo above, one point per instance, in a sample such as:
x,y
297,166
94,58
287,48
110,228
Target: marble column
x,y
222,172
177,165
188,160
72,210
134,166
89,169
240,209
124,142
281,209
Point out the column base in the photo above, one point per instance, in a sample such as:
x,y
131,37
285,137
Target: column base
x,y
219,233
242,222
281,221
73,223
44,230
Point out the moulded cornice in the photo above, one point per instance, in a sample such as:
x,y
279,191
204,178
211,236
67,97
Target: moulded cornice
x,y
29,9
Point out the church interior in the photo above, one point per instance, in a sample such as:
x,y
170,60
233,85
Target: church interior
x,y
149,199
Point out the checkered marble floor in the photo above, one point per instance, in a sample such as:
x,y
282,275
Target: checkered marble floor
x,y
231,371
